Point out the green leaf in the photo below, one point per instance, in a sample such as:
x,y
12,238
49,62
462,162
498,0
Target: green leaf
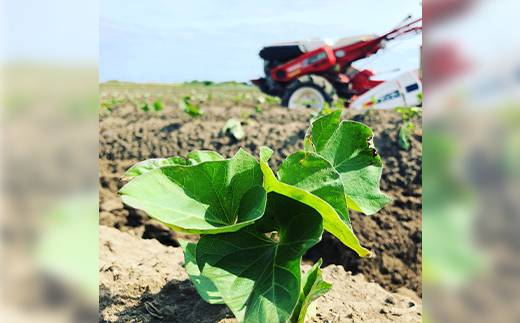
x,y
194,158
157,106
347,146
145,107
404,138
258,278
312,173
234,127
210,197
323,127
332,222
193,110
313,286
207,290
199,156
149,164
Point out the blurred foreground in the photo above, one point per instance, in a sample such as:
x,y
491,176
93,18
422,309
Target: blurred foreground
x,y
49,193
471,207
48,133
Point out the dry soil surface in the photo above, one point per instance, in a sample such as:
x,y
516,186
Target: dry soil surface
x,y
144,281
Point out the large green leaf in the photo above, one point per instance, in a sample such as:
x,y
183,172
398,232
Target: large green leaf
x,y
347,146
207,290
194,158
332,222
312,173
149,164
258,278
313,286
210,197
199,156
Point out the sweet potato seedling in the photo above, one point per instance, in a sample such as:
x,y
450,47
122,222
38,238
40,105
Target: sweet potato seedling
x,y
237,204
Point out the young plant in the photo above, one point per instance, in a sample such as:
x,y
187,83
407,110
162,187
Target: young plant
x,y
237,99
145,107
407,126
241,97
233,127
272,100
237,204
157,106
260,100
193,110
340,104
109,103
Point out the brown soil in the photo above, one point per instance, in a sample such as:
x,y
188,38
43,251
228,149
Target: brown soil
x,y
394,234
144,281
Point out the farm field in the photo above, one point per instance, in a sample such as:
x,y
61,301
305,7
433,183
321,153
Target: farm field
x,y
142,280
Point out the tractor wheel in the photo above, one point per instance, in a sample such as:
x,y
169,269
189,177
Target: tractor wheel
x,y
309,91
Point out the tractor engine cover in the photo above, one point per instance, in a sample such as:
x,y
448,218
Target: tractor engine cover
x,y
315,61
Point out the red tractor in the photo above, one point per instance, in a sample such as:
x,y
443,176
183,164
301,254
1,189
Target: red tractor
x,y
306,74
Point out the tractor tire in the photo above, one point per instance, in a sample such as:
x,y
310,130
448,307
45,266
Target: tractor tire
x,y
311,86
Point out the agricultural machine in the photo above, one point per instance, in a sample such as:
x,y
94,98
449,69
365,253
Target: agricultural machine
x,y
308,73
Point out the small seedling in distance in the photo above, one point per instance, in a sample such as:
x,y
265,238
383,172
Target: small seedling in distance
x,y
192,110
233,127
407,126
157,106
109,103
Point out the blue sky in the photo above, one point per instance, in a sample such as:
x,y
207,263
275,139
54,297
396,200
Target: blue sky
x,y
51,31
175,41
